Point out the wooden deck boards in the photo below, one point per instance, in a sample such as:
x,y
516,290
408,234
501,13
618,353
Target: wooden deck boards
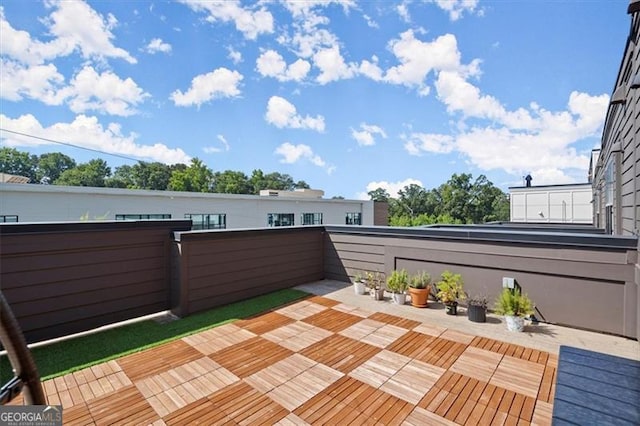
x,y
317,362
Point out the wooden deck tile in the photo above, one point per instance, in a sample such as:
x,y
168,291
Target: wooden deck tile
x,y
519,376
361,329
477,363
78,415
301,310
158,359
542,413
200,411
218,338
324,301
457,336
243,404
413,381
380,368
127,405
394,320
429,329
332,320
250,356
353,310
264,323
297,336
341,353
421,417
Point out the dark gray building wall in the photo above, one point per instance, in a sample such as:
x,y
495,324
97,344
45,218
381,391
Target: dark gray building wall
x,y
65,278
619,147
585,281
380,213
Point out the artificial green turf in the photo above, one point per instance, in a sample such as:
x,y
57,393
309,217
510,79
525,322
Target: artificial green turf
x,y
71,355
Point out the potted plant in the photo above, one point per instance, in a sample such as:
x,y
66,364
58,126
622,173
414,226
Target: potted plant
x,y
515,306
450,291
359,284
419,289
397,283
477,308
374,282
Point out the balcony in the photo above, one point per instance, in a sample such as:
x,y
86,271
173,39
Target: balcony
x,y
333,357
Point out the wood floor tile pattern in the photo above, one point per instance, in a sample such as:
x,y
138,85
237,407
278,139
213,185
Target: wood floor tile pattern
x,y
264,370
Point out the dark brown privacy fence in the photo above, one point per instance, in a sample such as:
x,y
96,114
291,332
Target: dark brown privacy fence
x,y
69,277
216,268
62,278
581,280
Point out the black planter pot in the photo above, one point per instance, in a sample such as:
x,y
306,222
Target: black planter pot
x,y
451,308
477,313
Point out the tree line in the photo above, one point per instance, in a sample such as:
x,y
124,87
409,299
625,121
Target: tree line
x,y
59,169
459,200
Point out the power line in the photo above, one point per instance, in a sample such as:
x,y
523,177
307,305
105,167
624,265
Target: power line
x,y
70,144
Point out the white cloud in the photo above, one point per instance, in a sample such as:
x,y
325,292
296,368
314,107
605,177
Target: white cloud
x,y
282,113
214,149
271,64
456,8
418,58
304,8
391,187
220,83
158,46
417,143
371,69
403,11
73,26
250,23
293,153
366,136
87,132
234,55
40,82
106,93
332,65
370,22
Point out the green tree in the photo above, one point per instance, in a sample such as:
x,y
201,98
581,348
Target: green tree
x,y
94,173
197,177
379,194
122,178
301,185
51,165
231,182
153,176
18,163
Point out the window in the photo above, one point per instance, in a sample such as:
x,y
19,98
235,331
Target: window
x,y
354,219
207,221
609,180
8,218
280,219
312,218
142,216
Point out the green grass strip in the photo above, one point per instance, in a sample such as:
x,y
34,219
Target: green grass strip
x,y
72,355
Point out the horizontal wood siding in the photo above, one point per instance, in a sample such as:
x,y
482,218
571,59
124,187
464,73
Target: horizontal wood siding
x,y
218,268
66,278
585,287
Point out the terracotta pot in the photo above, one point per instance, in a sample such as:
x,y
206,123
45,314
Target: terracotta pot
x,y
419,296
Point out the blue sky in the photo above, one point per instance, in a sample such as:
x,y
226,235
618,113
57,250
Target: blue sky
x,y
348,96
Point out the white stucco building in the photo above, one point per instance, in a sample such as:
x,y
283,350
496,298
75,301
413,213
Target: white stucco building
x,y
569,203
46,203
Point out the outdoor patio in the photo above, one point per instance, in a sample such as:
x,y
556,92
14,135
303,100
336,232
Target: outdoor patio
x,y
317,361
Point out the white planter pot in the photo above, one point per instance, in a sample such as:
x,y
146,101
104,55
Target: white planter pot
x,y
359,287
399,298
514,323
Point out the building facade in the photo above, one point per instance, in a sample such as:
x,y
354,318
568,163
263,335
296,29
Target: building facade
x,y
551,204
49,203
614,167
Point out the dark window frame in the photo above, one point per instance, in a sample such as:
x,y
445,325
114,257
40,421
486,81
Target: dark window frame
x,y
205,222
280,219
